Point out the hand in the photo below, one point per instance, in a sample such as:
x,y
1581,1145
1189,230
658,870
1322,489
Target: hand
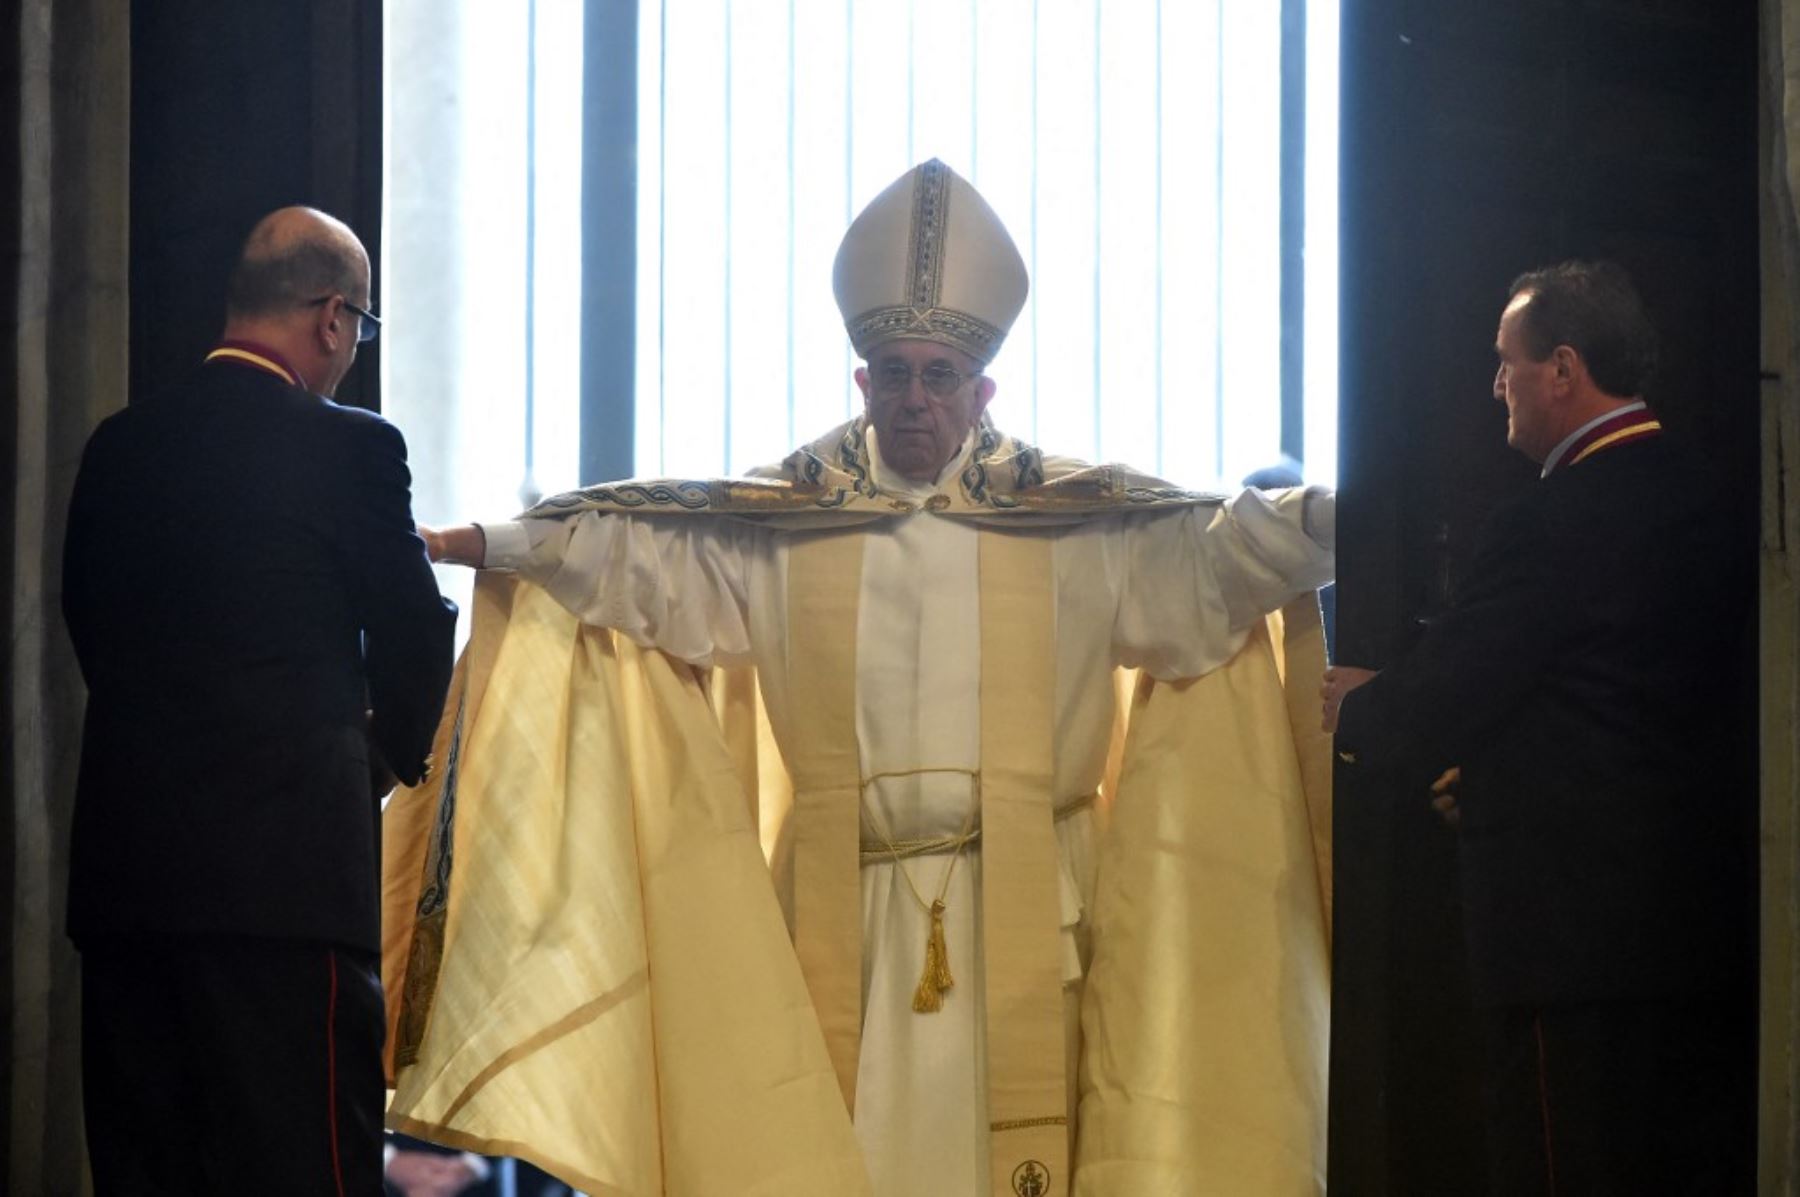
x,y
434,541
1339,681
464,544
423,1174
1443,792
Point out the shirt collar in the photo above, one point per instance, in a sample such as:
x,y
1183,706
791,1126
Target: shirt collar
x,y
1562,448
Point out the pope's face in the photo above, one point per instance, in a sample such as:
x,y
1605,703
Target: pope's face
x,y
1526,386
918,429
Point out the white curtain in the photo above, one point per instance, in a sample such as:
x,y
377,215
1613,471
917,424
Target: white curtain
x,y
482,250
481,254
1131,147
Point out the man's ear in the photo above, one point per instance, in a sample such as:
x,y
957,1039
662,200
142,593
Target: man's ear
x,y
1566,366
329,326
984,394
861,377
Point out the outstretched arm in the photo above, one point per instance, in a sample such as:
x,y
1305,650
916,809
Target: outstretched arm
x,y
672,583
1193,582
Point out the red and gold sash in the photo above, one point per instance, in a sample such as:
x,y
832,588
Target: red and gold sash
x,y
1619,429
257,357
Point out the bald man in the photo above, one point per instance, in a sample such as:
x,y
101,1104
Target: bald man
x,y
258,627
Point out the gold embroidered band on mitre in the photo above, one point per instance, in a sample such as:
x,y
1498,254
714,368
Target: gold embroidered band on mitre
x,y
1020,890
959,330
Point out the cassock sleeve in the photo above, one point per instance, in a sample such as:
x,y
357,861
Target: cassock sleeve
x,y
671,583
1191,582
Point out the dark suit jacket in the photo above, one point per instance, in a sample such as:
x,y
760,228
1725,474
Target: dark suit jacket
x,y
1587,682
242,582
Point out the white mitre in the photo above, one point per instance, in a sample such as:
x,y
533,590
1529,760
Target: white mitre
x,y
928,260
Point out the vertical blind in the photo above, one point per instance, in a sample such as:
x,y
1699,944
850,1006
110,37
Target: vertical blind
x,y
1132,147
480,277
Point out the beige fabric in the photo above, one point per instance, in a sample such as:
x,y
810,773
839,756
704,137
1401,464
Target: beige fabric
x,y
1300,632
585,964
827,894
1206,1018
928,260
1020,891
616,998
65,268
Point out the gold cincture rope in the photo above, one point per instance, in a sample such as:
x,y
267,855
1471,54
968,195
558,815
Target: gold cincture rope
x,y
928,998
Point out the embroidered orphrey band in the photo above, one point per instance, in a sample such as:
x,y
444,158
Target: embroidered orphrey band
x,y
931,217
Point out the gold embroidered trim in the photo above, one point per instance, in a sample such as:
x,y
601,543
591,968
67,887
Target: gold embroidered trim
x,y
829,477
1028,1123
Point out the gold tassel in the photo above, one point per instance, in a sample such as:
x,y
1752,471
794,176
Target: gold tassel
x,y
928,998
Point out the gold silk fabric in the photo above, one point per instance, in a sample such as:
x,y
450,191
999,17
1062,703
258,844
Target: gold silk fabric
x,y
590,969
1206,1018
612,994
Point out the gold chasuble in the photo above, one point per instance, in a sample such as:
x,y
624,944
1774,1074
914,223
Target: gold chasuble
x,y
588,966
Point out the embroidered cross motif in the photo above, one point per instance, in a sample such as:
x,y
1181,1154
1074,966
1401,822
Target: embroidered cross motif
x,y
1031,1179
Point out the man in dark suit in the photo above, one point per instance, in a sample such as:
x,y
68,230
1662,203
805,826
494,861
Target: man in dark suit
x,y
258,628
1585,683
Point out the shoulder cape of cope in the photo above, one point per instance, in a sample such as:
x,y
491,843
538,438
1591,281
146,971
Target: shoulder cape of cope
x,y
830,481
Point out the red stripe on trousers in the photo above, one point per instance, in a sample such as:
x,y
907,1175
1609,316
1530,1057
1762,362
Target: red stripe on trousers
x,y
1537,1025
337,1167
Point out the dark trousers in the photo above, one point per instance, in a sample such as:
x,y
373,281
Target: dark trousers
x,y
1628,1098
231,1065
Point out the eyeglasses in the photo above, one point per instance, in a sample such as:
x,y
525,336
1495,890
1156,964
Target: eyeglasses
x,y
368,324
894,379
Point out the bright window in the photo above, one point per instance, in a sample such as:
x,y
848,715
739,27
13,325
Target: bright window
x,y
1135,148
1132,148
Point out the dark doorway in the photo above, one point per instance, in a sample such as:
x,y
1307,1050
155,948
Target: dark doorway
x,y
236,110
1478,141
